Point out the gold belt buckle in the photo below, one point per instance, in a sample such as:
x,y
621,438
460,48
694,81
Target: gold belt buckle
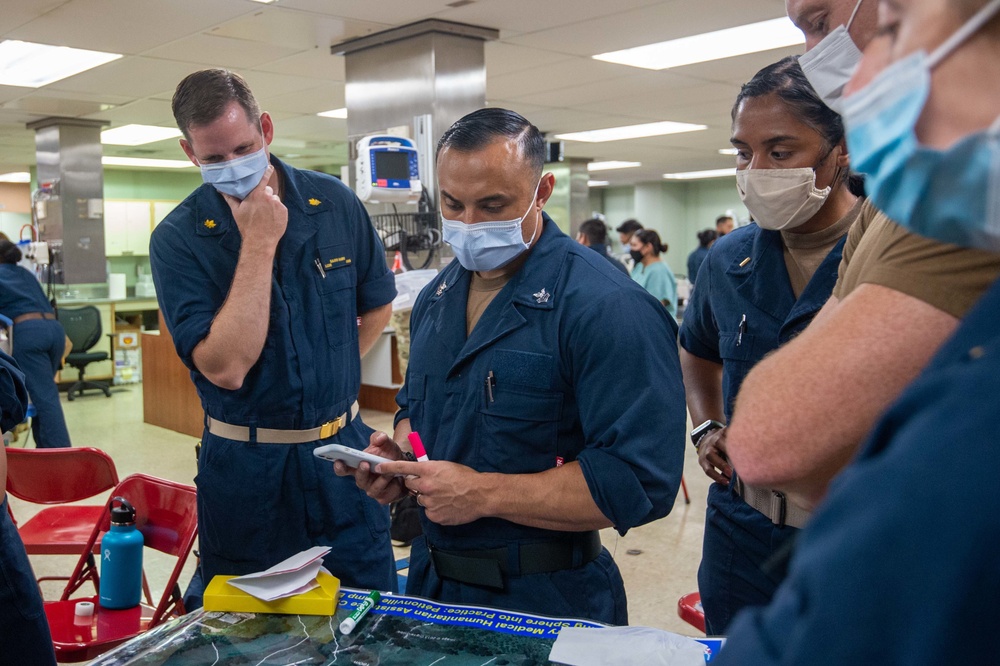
x,y
331,428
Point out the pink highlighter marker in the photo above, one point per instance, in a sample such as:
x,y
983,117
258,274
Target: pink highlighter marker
x,y
418,447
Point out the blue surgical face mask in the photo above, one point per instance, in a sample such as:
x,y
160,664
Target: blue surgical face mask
x,y
237,177
831,63
950,195
487,246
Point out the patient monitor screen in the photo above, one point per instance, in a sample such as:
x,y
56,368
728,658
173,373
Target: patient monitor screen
x,y
392,166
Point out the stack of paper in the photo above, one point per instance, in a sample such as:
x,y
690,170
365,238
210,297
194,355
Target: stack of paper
x,y
295,575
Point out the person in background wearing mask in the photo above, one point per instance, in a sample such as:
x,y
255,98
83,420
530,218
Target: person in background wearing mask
x,y
594,234
625,231
760,287
538,435
262,274
652,273
24,631
39,343
705,240
803,412
723,225
899,565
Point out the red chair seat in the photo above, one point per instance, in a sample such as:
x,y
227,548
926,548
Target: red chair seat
x,y
59,530
85,639
690,610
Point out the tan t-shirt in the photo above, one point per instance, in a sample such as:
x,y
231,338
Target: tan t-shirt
x,y
879,251
481,294
805,252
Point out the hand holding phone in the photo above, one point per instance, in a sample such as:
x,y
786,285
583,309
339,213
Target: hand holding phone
x,y
348,456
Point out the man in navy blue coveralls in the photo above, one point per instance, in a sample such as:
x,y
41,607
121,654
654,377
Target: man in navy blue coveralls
x,y
899,564
24,631
261,293
561,412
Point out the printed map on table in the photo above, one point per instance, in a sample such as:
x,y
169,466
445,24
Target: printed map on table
x,y
400,631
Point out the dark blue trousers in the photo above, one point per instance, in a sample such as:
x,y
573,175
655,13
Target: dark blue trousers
x,y
38,349
259,504
24,631
738,561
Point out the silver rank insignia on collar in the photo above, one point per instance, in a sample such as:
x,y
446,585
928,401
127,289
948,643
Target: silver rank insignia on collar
x,y
441,288
541,296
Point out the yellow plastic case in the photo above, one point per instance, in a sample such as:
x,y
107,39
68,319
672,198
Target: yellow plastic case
x,y
221,596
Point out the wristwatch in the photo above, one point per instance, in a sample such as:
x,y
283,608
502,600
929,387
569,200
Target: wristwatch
x,y
702,430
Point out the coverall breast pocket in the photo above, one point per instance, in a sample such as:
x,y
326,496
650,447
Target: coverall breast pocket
x,y
337,292
517,431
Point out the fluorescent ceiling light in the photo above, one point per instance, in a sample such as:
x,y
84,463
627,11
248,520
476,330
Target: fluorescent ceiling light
x,y
613,164
729,151
631,132
110,160
334,113
15,177
752,38
136,135
31,65
598,183
264,2
696,175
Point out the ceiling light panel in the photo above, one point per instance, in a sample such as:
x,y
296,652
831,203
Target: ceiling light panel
x,y
631,132
612,164
727,43
111,160
698,175
31,65
137,135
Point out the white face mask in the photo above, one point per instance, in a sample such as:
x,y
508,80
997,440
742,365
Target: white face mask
x,y
832,62
487,246
780,199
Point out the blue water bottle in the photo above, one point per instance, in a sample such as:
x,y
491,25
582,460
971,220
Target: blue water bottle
x,y
121,559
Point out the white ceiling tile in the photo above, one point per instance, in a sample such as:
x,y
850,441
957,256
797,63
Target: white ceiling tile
x,y
308,102
226,52
503,58
529,16
16,14
394,12
317,62
297,30
134,77
127,26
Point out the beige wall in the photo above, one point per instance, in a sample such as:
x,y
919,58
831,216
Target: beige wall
x,y
15,197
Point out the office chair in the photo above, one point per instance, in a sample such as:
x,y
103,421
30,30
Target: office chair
x,y
58,477
166,514
83,326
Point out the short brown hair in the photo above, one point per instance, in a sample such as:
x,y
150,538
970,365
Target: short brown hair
x,y
202,97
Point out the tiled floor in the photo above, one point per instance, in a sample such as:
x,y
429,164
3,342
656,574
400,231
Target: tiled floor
x,y
658,561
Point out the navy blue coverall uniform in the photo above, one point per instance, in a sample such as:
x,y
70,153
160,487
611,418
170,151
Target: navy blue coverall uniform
x,y
739,540
261,503
571,361
24,631
899,563
38,348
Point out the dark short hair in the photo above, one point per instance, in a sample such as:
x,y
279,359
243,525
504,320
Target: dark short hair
x,y
706,236
650,236
595,230
9,253
786,79
722,218
202,97
480,128
628,227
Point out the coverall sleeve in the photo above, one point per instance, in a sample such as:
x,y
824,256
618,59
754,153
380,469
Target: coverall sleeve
x,y
188,300
376,283
635,430
699,330
13,394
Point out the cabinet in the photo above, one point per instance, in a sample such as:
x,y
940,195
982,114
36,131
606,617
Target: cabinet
x,y
127,225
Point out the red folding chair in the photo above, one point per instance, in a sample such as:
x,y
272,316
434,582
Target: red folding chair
x,y
59,476
690,610
166,514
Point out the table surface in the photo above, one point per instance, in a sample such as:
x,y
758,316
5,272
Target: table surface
x,y
400,631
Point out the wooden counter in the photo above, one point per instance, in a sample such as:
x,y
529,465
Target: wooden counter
x,y
169,399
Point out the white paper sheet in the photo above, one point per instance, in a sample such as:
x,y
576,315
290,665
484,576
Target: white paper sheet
x,y
625,646
293,576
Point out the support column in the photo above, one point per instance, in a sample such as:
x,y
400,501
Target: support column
x,y
68,153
